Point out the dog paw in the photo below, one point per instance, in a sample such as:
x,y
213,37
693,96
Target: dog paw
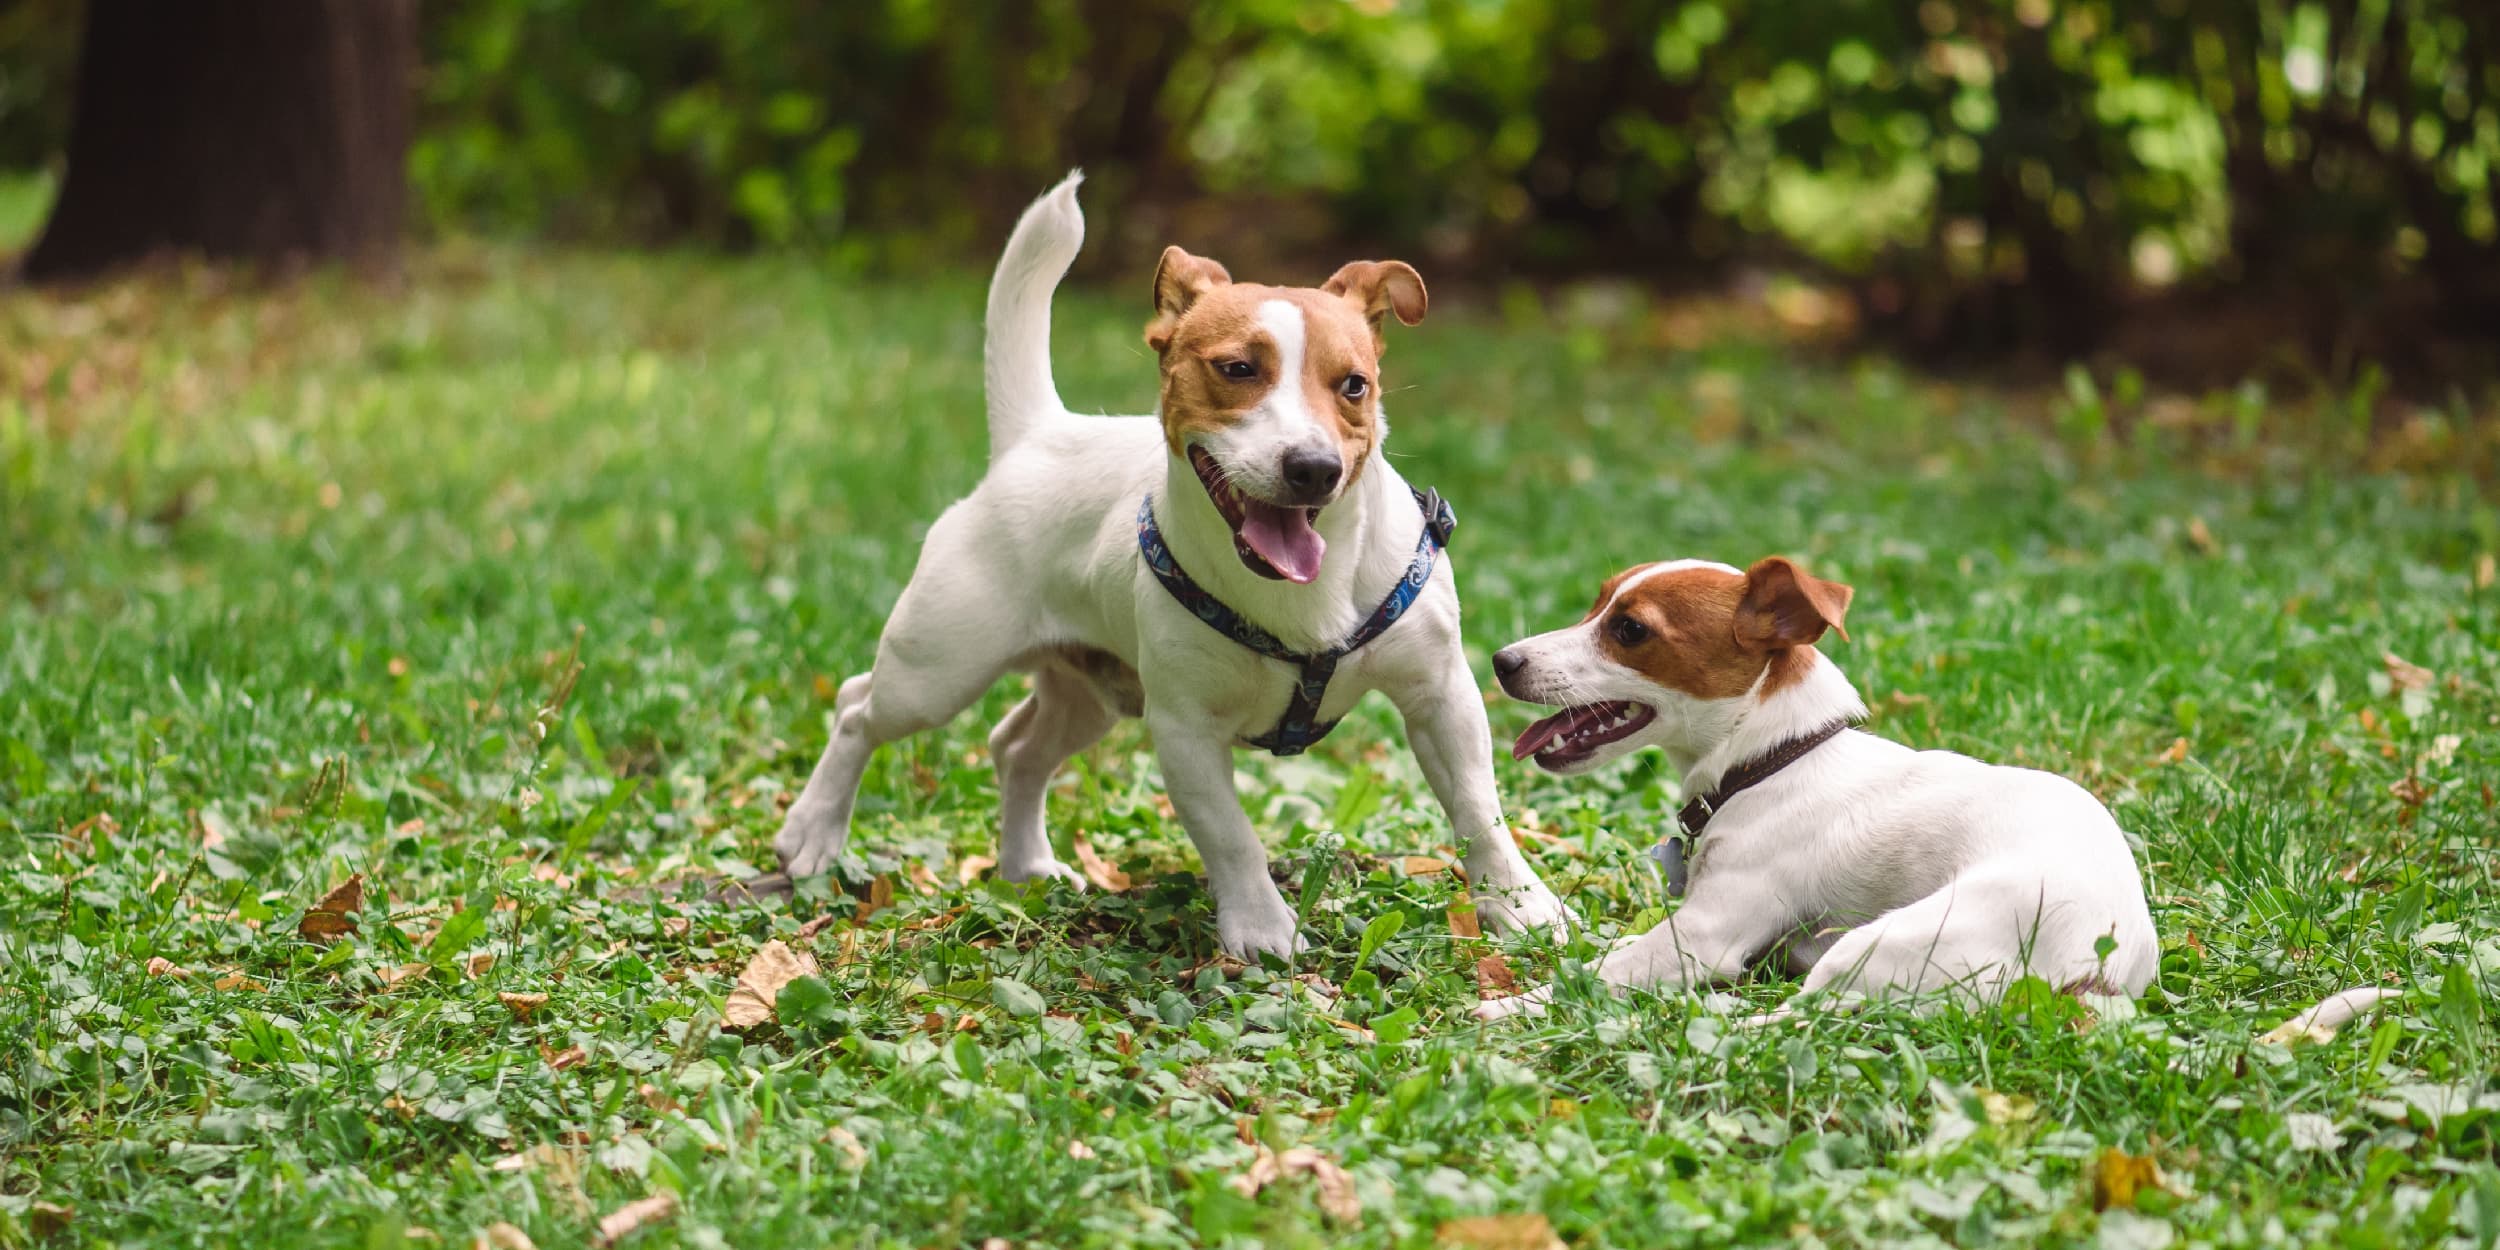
x,y
1021,873
1523,909
807,847
1245,937
1531,1003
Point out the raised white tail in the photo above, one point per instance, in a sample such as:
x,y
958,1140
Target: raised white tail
x,y
1017,353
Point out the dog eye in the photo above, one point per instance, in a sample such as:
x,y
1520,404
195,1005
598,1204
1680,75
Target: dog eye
x,y
1627,632
1238,370
1354,386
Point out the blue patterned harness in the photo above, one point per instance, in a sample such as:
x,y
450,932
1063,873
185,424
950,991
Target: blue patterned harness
x,y
1300,727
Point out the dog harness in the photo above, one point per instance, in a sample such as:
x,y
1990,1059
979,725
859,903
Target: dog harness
x,y
1672,852
1300,726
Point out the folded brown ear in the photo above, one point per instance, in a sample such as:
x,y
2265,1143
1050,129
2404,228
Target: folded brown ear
x,y
1180,280
1381,287
1785,606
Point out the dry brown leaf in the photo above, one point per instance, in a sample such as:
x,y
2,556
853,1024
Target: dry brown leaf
x,y
2410,791
657,1099
2486,571
973,866
852,1152
1336,1188
1425,866
521,1005
880,897
774,965
214,828
334,917
502,1236
480,963
1528,1231
569,1057
620,1223
2177,751
1105,875
816,926
1493,978
1463,921
238,981
392,977
163,967
48,1218
922,879
2202,535
2404,674
2118,1176
539,1155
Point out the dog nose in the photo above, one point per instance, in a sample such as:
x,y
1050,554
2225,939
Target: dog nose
x,y
1508,661
1312,474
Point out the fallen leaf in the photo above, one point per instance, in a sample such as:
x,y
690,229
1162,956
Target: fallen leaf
x,y
479,963
818,925
657,1099
214,828
774,965
48,1218
569,1057
2404,674
522,1161
1463,922
391,977
1425,866
2178,750
1336,1187
2201,535
848,1142
620,1223
163,967
334,917
1498,1232
1494,979
2006,1108
922,880
2118,1176
1105,875
880,897
2320,1023
973,866
521,1005
238,981
2486,571
502,1236
1077,1149
2410,791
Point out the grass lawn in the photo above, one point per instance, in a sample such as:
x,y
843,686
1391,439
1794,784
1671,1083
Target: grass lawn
x,y
522,591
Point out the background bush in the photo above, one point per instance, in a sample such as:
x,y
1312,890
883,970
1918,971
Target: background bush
x,y
1993,172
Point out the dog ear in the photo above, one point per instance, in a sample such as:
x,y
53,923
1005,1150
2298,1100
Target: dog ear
x,y
1381,287
1180,281
1785,606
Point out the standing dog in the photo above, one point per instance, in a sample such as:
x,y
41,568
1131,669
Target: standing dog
x,y
1239,568
1874,868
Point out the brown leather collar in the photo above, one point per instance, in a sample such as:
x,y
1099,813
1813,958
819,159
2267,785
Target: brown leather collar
x,y
1753,772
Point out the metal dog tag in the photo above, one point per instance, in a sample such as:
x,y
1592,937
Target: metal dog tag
x,y
1670,856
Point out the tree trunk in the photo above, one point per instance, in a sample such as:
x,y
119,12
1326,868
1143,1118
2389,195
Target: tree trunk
x,y
263,130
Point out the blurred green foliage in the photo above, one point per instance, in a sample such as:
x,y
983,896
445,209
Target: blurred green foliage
x,y
2004,167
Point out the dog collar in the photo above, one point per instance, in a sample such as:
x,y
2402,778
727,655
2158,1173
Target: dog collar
x,y
1673,853
1300,726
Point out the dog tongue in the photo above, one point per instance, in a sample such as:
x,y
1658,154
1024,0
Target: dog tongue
x,y
1539,734
1284,538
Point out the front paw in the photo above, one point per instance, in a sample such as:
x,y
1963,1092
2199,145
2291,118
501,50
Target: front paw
x,y
1247,931
1046,867
1531,1003
1524,908
808,843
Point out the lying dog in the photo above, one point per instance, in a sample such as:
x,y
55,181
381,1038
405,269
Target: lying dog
x,y
1238,569
1871,868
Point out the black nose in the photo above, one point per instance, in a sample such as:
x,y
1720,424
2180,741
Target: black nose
x,y
1508,661
1310,475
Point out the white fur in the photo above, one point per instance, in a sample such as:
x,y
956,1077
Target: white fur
x,y
1042,556
1892,871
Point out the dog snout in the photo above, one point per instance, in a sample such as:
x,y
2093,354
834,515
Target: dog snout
x,y
1311,475
1507,664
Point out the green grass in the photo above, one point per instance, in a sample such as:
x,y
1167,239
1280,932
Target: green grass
x,y
521,590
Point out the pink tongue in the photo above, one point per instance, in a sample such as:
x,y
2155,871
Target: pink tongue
x,y
1284,538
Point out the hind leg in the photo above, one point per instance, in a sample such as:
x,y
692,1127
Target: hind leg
x,y
940,651
1958,940
1062,717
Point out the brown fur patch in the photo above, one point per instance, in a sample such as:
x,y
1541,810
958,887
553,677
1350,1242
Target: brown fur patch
x,y
1710,633
1220,323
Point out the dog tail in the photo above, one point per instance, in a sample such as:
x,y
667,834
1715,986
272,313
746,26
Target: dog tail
x,y
1017,353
